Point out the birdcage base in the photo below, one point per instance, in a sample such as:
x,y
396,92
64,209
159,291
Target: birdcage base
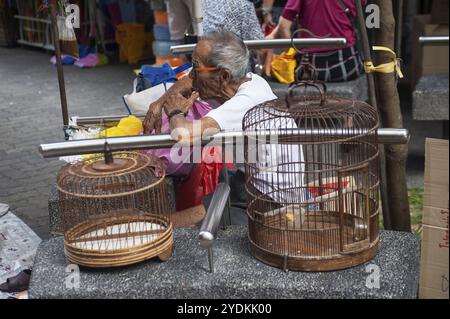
x,y
309,248
293,263
119,241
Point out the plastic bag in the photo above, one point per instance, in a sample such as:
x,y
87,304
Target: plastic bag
x,y
283,66
67,39
196,112
139,102
202,181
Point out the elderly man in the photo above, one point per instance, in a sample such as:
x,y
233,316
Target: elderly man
x,y
219,76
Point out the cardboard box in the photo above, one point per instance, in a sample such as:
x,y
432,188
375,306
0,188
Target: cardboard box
x,y
434,263
436,178
439,12
427,60
434,274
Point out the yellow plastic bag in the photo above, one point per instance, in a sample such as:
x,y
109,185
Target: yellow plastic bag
x,y
128,126
283,66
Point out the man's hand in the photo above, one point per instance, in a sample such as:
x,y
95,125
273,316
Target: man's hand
x,y
153,118
178,102
268,20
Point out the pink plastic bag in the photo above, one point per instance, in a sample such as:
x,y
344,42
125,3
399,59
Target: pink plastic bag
x,y
90,61
197,111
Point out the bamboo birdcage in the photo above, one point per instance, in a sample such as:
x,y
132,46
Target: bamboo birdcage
x,y
114,210
313,198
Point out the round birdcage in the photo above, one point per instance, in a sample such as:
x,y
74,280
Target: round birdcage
x,y
114,210
313,186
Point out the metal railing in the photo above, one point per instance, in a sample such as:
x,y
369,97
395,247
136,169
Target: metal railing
x,y
160,141
440,40
35,32
274,44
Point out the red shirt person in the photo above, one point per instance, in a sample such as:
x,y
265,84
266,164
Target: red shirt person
x,y
325,18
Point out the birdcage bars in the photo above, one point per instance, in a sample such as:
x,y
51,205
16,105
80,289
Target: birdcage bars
x,y
115,211
313,199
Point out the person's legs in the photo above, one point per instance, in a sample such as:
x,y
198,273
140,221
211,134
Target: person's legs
x,y
179,18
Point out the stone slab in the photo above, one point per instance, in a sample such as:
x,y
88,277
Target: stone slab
x,y
430,98
237,273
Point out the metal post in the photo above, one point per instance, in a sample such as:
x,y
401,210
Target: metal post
x,y
59,67
211,259
226,219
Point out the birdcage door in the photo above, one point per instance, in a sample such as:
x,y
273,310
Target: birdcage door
x,y
354,209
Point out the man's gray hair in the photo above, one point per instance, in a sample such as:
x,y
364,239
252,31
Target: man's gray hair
x,y
228,51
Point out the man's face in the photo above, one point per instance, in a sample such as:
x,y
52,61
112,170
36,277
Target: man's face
x,y
205,80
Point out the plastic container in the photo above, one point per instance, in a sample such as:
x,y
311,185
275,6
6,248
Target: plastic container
x,y
161,32
132,40
174,62
158,5
162,48
161,17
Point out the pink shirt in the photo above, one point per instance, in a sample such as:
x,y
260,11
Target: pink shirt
x,y
323,18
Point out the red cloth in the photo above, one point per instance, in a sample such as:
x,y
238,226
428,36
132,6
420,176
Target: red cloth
x,y
323,18
203,180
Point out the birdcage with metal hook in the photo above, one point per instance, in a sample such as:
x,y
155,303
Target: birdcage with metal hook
x,y
313,198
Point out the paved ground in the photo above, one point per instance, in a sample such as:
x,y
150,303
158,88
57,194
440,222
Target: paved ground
x,y
30,114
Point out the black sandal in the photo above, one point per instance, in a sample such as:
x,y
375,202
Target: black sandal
x,y
18,283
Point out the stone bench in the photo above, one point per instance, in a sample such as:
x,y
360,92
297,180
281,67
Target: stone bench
x,y
237,273
356,90
430,98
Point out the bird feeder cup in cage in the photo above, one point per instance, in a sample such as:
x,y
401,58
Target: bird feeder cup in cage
x,y
114,209
313,198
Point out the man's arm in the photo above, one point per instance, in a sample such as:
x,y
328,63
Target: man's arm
x,y
282,30
266,8
268,4
153,117
188,131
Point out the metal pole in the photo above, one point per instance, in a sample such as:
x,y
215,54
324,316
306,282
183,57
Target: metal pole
x,y
373,101
274,44
443,40
59,67
197,19
107,119
388,136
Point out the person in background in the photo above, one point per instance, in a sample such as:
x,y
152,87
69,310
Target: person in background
x,y
271,11
237,16
325,18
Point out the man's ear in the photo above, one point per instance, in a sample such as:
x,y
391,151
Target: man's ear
x,y
225,75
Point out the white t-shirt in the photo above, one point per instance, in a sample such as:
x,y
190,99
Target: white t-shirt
x,y
229,115
271,158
